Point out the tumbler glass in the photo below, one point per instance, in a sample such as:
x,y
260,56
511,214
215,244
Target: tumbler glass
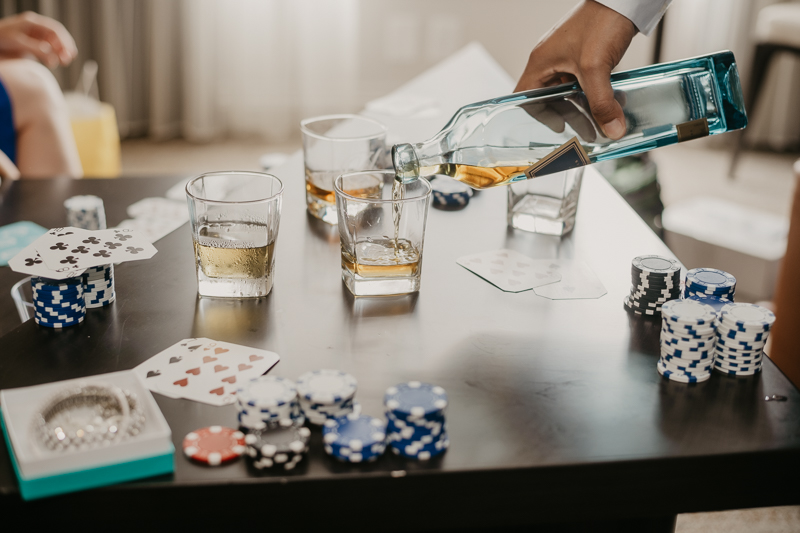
x,y
335,144
381,232
546,204
235,217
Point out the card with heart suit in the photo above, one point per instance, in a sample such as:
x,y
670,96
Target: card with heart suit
x,y
511,271
204,370
81,249
577,282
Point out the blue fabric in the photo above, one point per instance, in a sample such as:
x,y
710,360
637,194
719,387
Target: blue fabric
x,y
8,137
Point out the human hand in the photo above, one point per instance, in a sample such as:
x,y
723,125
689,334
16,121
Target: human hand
x,y
586,45
46,39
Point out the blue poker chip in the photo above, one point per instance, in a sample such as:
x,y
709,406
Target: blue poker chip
x,y
415,400
448,192
56,311
56,325
737,373
354,438
57,303
739,344
688,313
46,284
710,278
713,301
422,452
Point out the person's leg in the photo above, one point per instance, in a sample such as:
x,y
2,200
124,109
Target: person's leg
x,y
45,145
784,351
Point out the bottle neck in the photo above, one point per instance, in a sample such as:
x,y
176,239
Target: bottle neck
x,y
406,162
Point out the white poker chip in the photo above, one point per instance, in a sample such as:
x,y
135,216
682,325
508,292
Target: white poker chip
x,y
688,312
326,386
748,316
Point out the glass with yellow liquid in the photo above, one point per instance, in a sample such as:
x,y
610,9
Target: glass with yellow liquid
x,y
235,218
381,231
332,145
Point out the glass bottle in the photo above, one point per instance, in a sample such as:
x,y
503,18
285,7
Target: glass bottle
x,y
543,131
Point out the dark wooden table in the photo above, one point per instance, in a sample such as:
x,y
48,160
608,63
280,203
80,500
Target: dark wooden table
x,y
557,413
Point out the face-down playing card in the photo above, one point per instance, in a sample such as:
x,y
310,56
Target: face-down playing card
x,y
511,271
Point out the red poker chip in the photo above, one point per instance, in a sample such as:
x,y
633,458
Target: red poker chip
x,y
214,445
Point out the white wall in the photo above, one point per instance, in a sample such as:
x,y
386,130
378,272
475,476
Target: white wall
x,y
401,38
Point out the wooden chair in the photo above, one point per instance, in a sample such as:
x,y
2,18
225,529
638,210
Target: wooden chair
x,y
777,30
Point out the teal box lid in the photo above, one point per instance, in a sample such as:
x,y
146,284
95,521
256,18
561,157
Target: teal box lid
x,y
99,476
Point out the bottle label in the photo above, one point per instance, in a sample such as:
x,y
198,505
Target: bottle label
x,y
694,129
569,155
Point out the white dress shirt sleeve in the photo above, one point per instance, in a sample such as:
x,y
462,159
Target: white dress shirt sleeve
x,y
644,14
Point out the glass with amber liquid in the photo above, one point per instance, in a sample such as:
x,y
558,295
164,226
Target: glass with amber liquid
x,y
381,233
335,144
235,218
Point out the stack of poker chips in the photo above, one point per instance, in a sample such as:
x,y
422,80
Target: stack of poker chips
x,y
266,402
327,394
655,280
742,332
688,336
710,286
450,193
416,421
58,303
354,438
280,448
85,212
98,286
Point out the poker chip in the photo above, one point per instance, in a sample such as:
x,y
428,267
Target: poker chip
x,y
214,445
688,313
655,280
57,303
325,394
742,333
98,286
416,420
85,212
710,282
281,447
688,341
715,302
449,193
681,377
266,402
747,317
354,438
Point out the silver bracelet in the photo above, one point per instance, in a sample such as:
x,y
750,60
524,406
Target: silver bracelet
x,y
88,416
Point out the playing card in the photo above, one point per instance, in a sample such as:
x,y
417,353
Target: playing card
x,y
77,250
29,262
15,237
511,271
204,370
151,229
153,370
577,282
160,208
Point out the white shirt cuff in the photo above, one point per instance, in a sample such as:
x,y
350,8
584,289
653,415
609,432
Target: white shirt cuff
x,y
644,14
